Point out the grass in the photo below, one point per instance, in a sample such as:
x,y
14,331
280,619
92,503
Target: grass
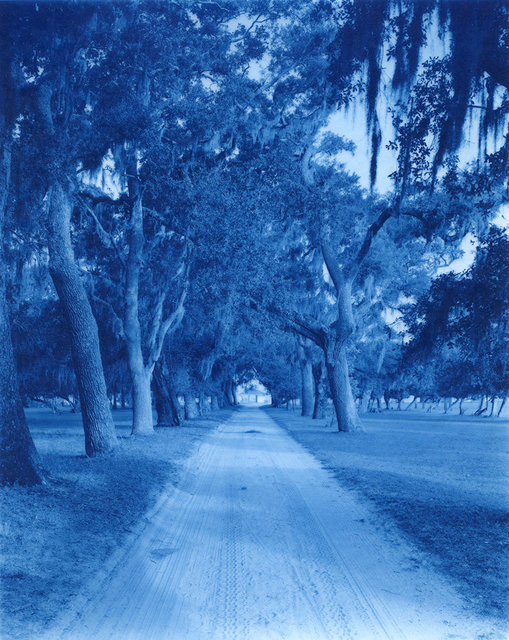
x,y
442,480
54,538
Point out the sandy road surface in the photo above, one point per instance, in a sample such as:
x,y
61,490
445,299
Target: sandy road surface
x,y
260,543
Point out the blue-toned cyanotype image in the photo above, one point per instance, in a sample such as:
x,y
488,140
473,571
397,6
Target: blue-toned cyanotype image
x,y
254,286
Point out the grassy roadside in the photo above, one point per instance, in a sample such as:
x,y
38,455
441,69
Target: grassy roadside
x,y
442,480
54,538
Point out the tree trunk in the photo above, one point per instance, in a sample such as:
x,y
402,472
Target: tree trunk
x,y
365,400
191,408
502,405
165,401
480,409
307,382
336,362
307,395
19,462
143,421
140,376
341,392
233,393
204,404
229,392
227,399
98,424
275,400
461,406
411,404
214,402
320,395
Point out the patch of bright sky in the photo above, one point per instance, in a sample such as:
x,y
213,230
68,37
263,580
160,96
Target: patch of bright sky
x,y
209,84
350,121
469,244
106,178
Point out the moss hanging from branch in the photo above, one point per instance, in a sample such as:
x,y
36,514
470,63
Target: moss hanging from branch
x,y
478,32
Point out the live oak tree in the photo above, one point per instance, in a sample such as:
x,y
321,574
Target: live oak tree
x,y
48,55
302,106
19,462
459,328
178,126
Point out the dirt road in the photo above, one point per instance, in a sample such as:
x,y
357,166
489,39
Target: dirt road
x,y
259,542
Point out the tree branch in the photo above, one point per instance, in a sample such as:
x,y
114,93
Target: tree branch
x,y
118,322
331,262
106,238
172,322
97,196
155,325
368,239
295,323
255,21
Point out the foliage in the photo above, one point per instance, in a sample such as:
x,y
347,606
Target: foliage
x,y
459,327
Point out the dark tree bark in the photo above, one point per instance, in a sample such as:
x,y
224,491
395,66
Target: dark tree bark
x,y
307,382
98,424
167,407
320,394
276,401
19,461
232,393
214,402
229,392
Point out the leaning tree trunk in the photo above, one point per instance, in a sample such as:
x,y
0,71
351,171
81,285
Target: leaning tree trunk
x,y
307,382
98,424
320,395
165,400
19,462
337,364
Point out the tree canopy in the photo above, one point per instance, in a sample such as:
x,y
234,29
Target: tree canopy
x,y
180,209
